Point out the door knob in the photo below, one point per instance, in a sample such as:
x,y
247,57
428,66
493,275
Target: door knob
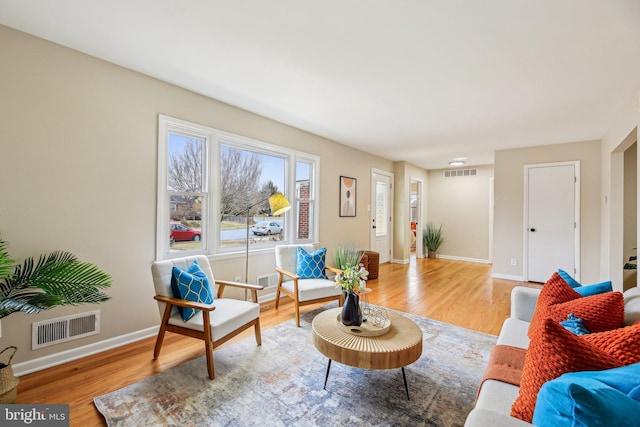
x,y
533,230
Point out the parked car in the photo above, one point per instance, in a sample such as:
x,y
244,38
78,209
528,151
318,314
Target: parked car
x,y
264,228
182,232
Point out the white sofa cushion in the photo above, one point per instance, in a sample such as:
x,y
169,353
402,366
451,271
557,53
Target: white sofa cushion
x,y
514,333
497,396
631,305
486,418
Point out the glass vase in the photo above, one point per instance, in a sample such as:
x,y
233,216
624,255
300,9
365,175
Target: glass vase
x,y
351,312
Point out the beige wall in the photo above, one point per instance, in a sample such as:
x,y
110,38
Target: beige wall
x,y
462,205
79,169
509,204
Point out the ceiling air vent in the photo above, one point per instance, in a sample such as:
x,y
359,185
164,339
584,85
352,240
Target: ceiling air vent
x,y
460,172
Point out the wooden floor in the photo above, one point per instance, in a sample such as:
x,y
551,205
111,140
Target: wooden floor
x,y
456,292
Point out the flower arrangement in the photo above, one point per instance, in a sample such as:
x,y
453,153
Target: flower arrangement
x,y
352,279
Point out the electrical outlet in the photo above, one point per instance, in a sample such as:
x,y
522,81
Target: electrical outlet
x,y
514,261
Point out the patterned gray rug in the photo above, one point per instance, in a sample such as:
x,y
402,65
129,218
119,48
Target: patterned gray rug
x,y
280,384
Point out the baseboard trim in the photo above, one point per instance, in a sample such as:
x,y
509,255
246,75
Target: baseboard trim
x,y
80,352
400,261
507,277
459,258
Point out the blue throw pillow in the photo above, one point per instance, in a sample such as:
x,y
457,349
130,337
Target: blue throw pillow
x,y
191,285
586,290
311,265
574,324
594,399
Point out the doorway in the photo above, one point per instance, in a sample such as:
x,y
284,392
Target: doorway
x,y
381,214
630,214
415,219
552,220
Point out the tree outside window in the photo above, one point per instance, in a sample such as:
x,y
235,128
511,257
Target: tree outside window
x,y
186,192
247,179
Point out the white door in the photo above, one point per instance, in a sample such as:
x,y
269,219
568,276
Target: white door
x,y
551,220
381,215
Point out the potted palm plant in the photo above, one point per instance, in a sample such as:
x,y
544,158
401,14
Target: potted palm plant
x,y
58,278
55,279
432,239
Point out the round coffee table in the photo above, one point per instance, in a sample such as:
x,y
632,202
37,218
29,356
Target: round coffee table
x,y
399,347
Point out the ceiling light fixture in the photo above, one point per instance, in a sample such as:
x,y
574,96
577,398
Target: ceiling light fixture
x,y
456,163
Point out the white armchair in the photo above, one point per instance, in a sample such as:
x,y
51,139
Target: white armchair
x,y
302,291
215,323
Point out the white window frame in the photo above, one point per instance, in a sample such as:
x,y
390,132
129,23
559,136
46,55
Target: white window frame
x,y
314,190
210,234
168,125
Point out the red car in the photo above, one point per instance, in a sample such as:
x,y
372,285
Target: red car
x,y
182,232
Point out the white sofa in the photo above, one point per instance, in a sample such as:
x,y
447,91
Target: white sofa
x,y
493,405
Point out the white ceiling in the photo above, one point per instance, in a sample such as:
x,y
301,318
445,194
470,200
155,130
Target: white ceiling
x,y
418,80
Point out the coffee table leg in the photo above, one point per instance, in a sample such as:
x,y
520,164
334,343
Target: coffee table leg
x,y
404,377
326,377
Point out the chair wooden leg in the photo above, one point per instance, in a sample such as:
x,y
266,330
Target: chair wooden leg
x,y
161,332
297,313
208,344
258,334
159,340
277,296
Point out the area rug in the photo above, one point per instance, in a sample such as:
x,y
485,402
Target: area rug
x,y
281,384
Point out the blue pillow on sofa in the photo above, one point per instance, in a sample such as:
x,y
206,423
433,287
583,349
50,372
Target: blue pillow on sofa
x,y
586,290
311,265
594,399
575,324
191,285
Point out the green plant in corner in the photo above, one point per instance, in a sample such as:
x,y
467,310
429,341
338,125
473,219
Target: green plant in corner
x,y
55,279
432,238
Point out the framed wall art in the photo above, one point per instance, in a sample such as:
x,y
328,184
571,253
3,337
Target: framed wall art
x,y
348,191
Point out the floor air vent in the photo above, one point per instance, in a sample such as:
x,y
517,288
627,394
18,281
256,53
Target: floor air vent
x,y
268,280
62,329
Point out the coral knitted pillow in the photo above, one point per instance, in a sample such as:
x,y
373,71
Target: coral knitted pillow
x,y
553,351
601,312
622,343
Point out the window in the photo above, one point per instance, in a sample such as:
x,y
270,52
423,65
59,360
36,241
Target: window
x,y
304,199
381,209
211,182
